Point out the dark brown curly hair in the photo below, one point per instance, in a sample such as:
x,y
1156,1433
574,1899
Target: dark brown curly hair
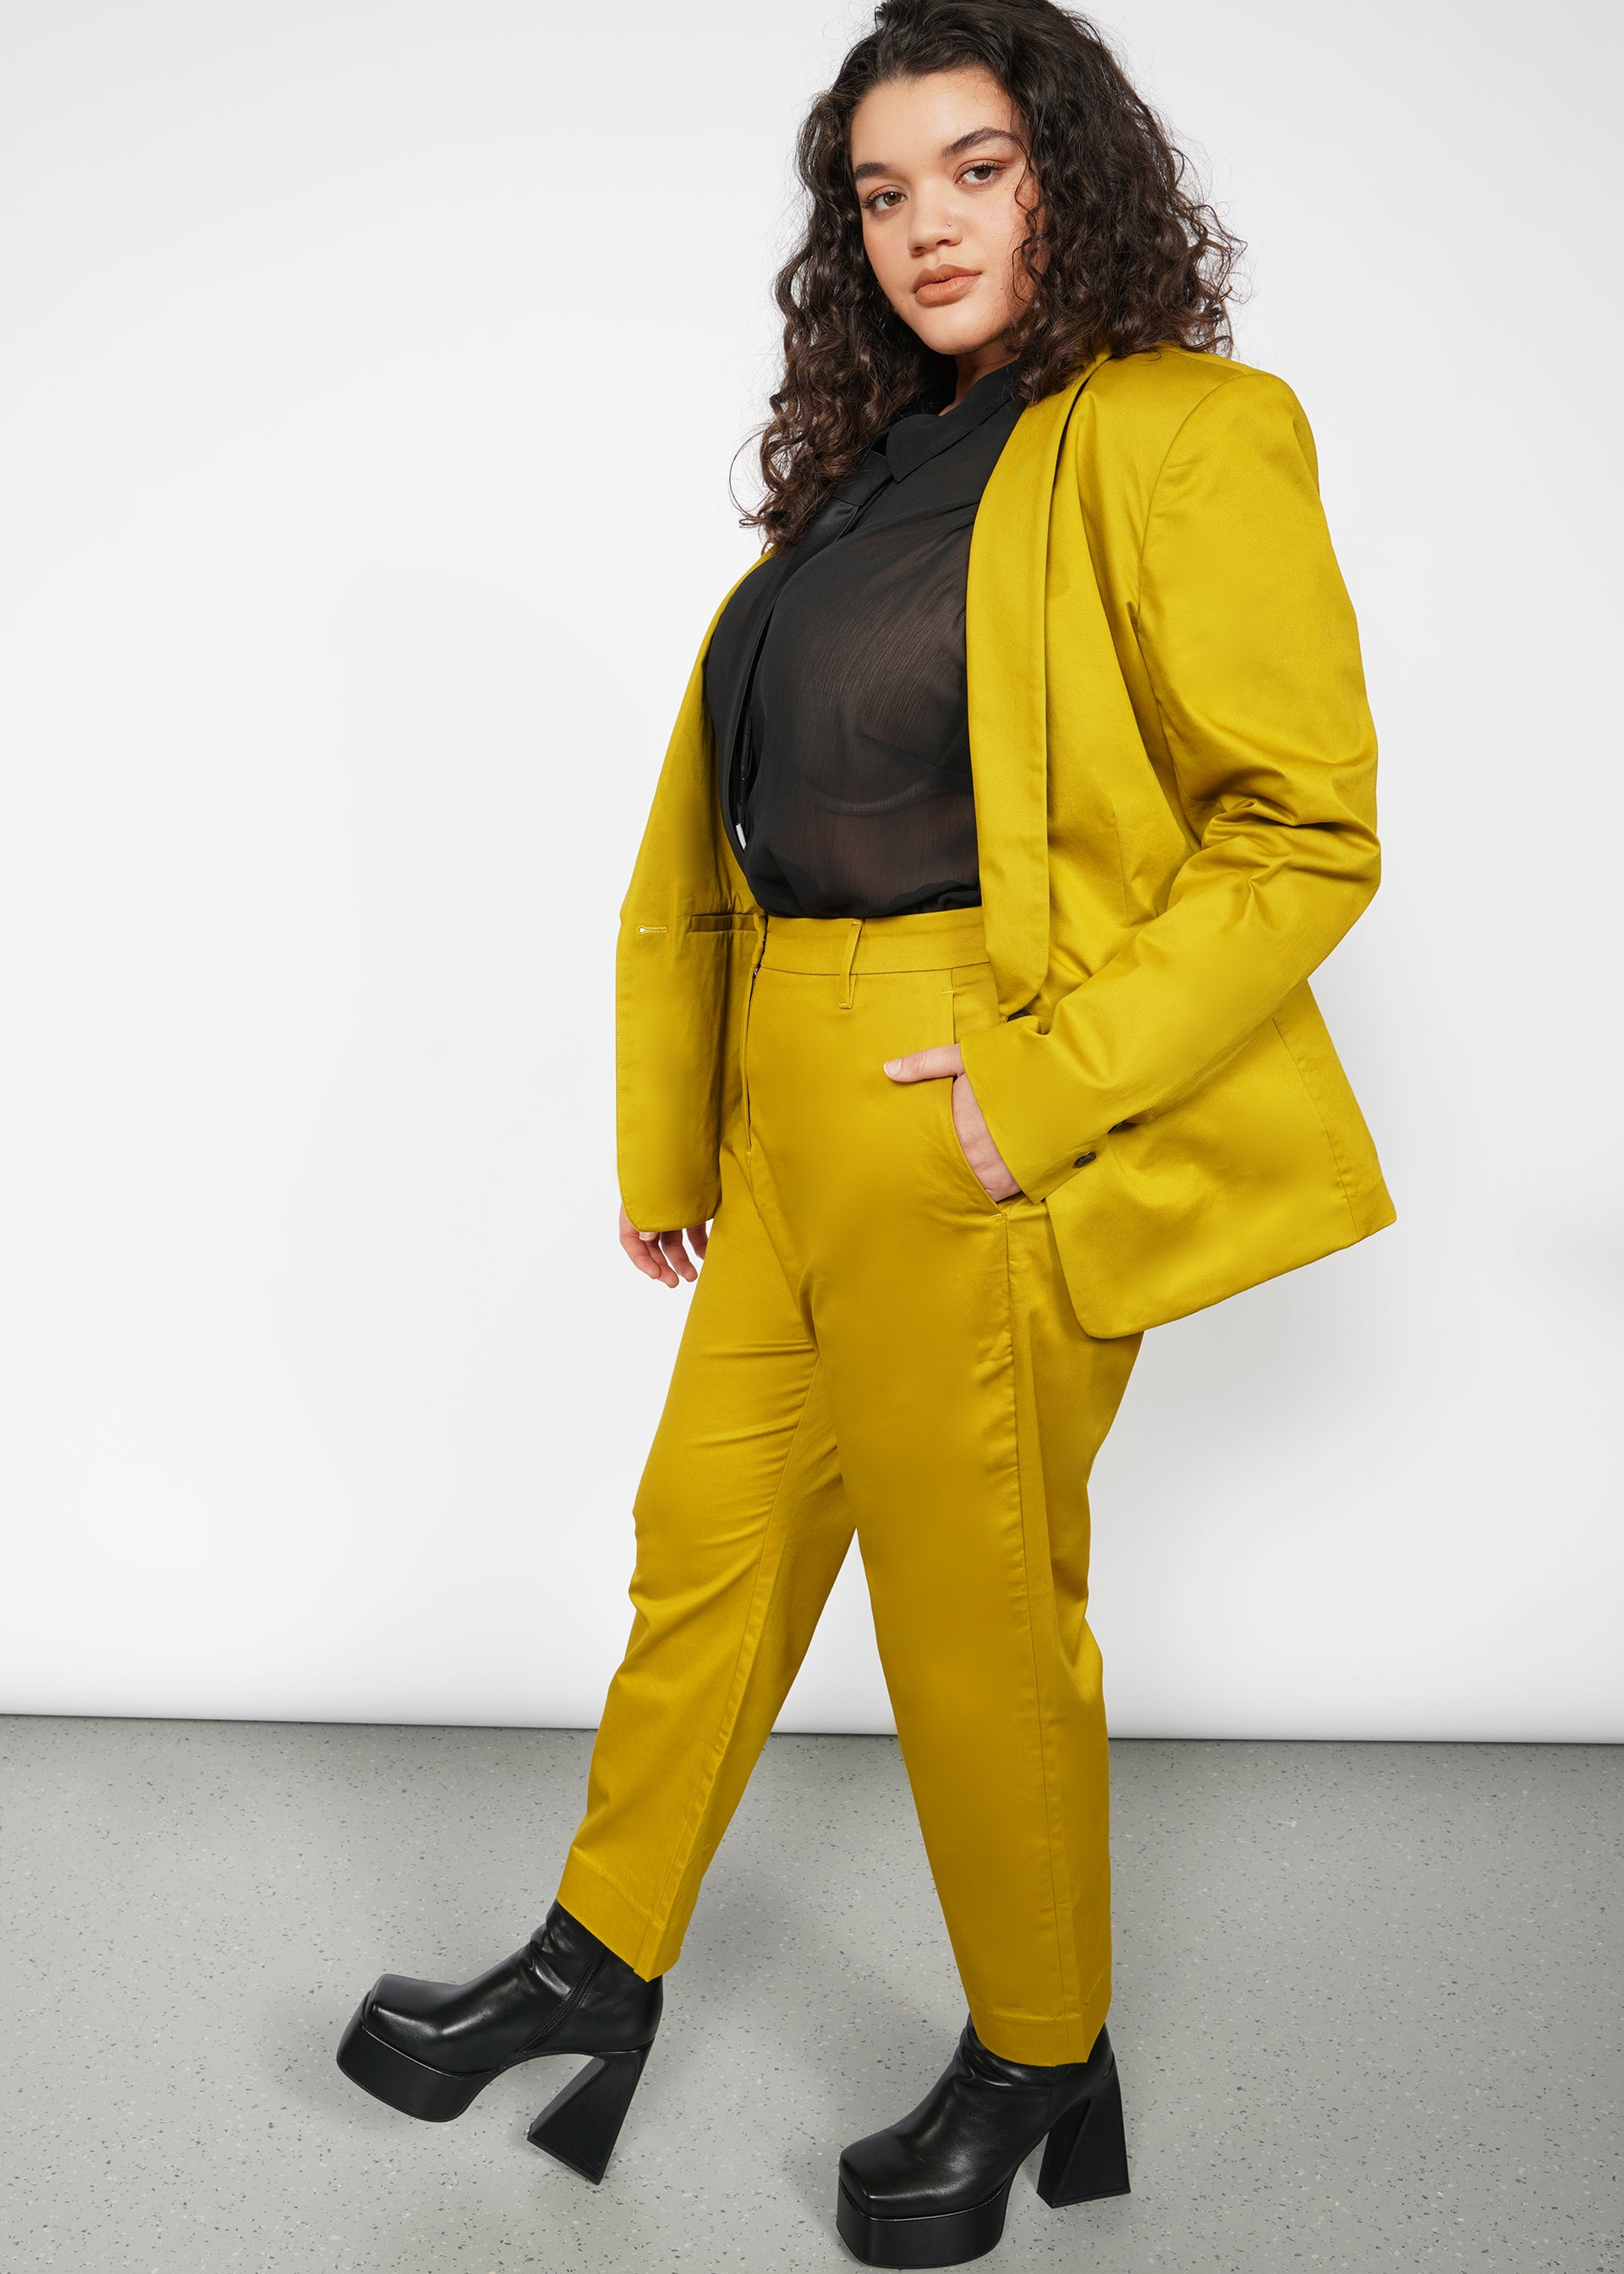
x,y
1122,257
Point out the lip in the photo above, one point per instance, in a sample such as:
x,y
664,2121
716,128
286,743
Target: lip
x,y
936,287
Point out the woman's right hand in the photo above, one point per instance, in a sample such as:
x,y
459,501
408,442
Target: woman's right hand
x,y
661,1255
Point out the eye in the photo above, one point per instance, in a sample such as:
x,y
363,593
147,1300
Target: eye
x,y
984,166
873,205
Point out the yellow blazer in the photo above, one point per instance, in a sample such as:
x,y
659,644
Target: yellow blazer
x,y
1174,774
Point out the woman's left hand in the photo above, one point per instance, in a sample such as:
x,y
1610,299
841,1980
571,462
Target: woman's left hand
x,y
937,1063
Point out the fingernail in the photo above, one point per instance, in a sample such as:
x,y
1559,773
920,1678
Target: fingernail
x,y
892,1064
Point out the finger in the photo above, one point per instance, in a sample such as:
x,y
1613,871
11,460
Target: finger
x,y
698,1240
638,1255
975,1142
643,1249
927,1066
676,1254
656,1253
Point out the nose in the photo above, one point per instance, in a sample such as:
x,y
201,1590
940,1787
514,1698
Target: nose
x,y
935,223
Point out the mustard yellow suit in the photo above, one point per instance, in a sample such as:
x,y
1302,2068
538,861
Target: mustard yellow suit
x,y
1174,770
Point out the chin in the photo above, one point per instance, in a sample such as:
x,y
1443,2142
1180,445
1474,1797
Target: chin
x,y
953,339
974,329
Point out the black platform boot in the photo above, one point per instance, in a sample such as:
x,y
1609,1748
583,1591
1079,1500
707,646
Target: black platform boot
x,y
427,2048
932,2190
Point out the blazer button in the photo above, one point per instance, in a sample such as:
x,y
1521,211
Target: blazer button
x,y
1083,1159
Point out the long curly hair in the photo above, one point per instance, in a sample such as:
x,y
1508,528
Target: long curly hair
x,y
1122,256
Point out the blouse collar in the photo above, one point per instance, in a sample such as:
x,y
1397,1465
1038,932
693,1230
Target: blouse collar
x,y
917,436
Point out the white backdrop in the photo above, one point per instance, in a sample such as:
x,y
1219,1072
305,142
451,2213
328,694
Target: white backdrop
x,y
373,373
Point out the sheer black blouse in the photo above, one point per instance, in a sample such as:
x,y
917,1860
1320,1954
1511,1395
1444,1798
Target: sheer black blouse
x,y
836,681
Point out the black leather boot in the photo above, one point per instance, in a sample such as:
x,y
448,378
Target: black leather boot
x,y
932,2190
427,2048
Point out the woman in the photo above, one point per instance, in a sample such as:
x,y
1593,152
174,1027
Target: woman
x,y
962,991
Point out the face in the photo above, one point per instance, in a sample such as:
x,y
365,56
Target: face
x,y
946,202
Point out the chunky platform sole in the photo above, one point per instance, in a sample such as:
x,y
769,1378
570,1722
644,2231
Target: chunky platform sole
x,y
1084,2158
396,2078
948,2238
579,2125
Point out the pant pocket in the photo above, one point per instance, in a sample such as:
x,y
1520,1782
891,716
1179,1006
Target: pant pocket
x,y
973,1003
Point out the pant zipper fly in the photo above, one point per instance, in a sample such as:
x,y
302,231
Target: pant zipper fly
x,y
846,967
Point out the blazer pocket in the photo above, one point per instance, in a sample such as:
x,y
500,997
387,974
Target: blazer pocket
x,y
715,920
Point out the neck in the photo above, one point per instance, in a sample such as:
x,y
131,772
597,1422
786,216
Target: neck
x,y
976,365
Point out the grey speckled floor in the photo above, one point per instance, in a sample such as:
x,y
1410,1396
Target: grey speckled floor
x,y
1367,2007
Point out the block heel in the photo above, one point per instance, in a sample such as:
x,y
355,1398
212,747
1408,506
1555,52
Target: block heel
x,y
580,2124
1085,2156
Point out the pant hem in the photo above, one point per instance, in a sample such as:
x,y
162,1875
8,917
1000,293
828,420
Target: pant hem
x,y
1044,2040
646,1944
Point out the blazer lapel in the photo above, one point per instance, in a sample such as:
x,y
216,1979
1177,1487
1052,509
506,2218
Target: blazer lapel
x,y
1005,687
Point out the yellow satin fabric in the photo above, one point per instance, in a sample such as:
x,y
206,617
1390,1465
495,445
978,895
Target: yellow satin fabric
x,y
872,1342
1174,790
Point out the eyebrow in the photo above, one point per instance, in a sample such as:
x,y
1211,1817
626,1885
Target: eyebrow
x,y
949,150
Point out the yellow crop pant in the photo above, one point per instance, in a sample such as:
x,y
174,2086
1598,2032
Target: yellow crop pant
x,y
874,1342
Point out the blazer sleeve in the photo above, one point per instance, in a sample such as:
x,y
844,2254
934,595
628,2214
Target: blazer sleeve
x,y
1251,654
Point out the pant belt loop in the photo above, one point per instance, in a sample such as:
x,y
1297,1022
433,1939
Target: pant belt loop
x,y
846,968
